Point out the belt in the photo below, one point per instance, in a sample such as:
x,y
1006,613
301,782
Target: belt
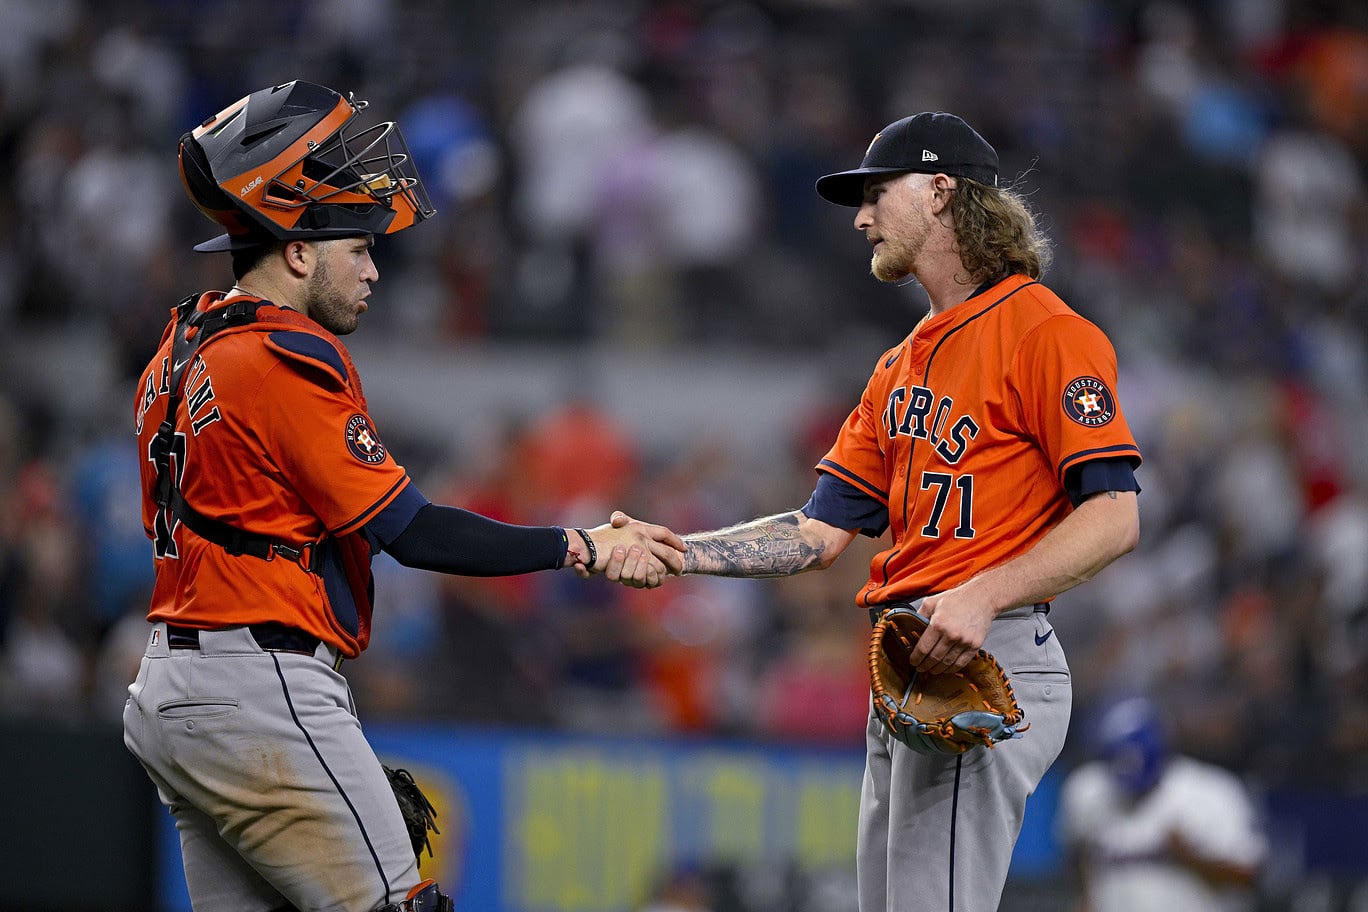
x,y
877,611
270,636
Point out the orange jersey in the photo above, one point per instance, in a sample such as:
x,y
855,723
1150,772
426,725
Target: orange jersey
x,y
966,429
273,438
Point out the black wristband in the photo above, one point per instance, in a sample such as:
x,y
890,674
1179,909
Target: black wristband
x,y
593,552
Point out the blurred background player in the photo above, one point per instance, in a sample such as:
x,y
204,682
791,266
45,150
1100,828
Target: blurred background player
x,y
1149,830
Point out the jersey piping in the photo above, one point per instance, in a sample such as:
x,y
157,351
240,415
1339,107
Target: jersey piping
x,y
912,451
366,515
838,469
1083,455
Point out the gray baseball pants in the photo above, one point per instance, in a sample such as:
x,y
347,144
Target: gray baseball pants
x,y
937,832
278,798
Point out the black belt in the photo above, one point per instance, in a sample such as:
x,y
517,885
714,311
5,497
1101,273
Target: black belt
x,y
877,611
271,636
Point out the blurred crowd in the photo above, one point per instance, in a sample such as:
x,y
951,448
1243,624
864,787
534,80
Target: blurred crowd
x,y
639,175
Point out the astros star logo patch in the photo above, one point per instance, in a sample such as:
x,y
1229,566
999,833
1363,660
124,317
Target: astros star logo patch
x,y
1088,402
363,442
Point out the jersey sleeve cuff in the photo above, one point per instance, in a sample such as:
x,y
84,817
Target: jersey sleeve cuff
x,y
400,487
844,506
837,470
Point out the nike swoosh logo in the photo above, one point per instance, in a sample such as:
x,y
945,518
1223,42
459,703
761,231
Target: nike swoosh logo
x,y
1040,640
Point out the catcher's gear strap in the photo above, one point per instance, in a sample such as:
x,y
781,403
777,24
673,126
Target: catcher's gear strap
x,y
183,350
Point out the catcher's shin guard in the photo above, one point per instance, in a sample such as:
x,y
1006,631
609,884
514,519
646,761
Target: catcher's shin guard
x,y
423,898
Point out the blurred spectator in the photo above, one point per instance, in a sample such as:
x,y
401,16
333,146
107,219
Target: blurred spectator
x,y
575,434
43,670
815,686
113,547
1308,198
449,281
116,665
112,211
675,217
408,645
564,133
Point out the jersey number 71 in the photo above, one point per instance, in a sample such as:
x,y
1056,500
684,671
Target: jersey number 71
x,y
943,482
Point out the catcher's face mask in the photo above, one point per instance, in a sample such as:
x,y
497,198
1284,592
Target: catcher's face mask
x,y
285,163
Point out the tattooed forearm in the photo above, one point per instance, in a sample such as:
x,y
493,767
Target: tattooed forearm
x,y
769,547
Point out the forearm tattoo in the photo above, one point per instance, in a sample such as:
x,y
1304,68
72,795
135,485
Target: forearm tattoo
x,y
769,547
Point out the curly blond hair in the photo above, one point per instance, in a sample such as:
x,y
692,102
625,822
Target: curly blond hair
x,y
996,233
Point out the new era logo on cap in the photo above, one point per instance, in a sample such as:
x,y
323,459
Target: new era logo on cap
x,y
905,145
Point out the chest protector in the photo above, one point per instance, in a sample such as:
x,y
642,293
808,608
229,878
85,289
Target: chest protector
x,y
194,329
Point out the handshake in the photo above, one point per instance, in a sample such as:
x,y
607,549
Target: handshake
x,y
627,551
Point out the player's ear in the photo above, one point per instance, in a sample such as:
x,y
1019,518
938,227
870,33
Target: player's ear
x,y
942,186
299,257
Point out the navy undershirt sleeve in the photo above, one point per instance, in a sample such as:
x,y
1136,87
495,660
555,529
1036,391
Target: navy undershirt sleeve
x,y
841,505
452,540
385,526
1098,475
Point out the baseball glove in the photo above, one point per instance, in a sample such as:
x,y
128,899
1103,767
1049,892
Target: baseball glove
x,y
942,713
419,814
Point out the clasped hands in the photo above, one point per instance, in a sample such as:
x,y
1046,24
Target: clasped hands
x,y
630,552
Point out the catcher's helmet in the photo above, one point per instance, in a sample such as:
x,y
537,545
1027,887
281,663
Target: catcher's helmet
x,y
280,165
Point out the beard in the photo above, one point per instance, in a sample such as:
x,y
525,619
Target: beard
x,y
328,306
890,263
898,252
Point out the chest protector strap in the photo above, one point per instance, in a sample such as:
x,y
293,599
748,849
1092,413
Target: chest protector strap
x,y
193,328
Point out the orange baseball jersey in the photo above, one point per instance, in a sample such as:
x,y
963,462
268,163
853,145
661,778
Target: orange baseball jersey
x,y
272,437
965,432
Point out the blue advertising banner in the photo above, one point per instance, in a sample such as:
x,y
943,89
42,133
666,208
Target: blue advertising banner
x,y
558,823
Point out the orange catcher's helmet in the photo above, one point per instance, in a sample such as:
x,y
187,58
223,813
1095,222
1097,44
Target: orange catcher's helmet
x,y
282,164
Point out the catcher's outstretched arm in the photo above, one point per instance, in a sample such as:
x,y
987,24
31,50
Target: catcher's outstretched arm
x,y
772,546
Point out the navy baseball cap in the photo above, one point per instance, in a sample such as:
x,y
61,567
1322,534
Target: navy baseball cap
x,y
931,142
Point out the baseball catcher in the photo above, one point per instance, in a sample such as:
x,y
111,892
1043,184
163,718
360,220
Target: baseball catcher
x,y
938,713
266,492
